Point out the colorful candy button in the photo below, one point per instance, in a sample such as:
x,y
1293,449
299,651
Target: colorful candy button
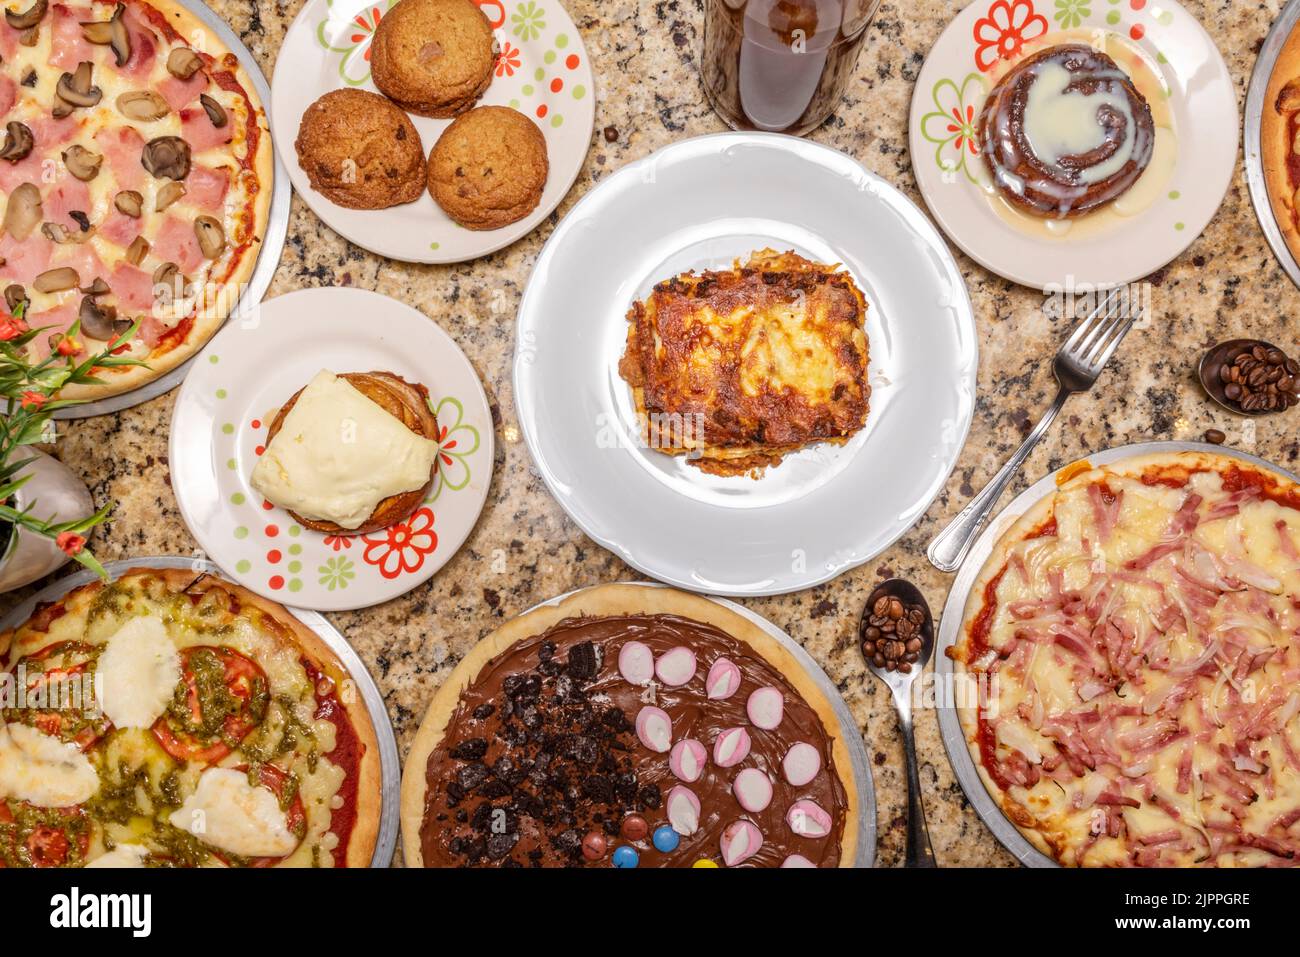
x,y
705,862
625,856
666,839
594,846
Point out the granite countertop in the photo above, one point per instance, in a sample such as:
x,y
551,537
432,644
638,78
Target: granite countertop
x,y
648,95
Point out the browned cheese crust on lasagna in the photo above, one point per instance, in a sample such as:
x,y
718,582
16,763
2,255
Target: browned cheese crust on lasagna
x,y
738,368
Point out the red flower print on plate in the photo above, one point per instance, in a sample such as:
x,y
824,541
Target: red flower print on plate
x,y
338,541
1000,35
402,548
508,60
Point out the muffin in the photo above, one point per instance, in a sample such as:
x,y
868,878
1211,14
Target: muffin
x,y
488,169
361,151
433,57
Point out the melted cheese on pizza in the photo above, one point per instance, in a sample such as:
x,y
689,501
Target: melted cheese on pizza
x,y
1139,659
739,368
155,786
98,235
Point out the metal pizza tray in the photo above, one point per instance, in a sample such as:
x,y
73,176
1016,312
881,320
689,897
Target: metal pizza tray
x,y
390,766
1277,36
859,765
954,741
277,226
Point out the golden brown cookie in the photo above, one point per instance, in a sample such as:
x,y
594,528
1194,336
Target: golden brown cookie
x,y
433,57
488,169
360,151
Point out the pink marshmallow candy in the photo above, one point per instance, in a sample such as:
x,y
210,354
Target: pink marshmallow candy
x,y
797,860
807,819
723,680
730,747
741,840
654,728
636,663
765,708
687,760
676,666
683,809
801,764
753,789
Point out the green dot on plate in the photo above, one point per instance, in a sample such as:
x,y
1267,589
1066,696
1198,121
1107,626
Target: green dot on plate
x,y
1174,194
1165,17
295,530
1113,17
549,57
1180,226
295,567
539,74
435,246
295,549
231,464
527,89
221,393
241,532
514,104
579,91
1160,58
561,40
295,584
243,565
228,428
237,498
556,120
214,359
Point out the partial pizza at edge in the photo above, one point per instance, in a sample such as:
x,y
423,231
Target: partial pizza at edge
x,y
230,180
1279,125
243,741
1141,624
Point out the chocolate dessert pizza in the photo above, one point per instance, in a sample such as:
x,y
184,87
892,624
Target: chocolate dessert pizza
x,y
629,726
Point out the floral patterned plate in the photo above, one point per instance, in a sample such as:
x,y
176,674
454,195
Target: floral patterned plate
x,y
219,429
542,70
1106,248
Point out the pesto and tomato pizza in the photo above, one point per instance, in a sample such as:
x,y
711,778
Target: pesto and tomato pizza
x,y
1136,640
173,720
136,169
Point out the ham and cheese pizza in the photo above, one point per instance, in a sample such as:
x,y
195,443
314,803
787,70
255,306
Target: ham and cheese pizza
x,y
1135,636
136,169
169,719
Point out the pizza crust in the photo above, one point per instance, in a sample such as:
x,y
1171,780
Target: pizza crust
x,y
1168,463
198,34
606,600
1275,144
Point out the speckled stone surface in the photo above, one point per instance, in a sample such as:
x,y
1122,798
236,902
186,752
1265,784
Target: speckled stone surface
x,y
644,57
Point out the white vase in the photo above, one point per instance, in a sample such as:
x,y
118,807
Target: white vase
x,y
55,494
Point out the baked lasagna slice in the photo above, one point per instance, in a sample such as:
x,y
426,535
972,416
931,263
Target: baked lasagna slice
x,y
735,369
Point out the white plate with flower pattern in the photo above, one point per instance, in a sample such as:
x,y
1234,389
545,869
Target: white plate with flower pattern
x,y
1168,208
219,428
542,70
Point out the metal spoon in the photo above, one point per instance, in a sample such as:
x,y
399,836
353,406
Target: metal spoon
x,y
919,852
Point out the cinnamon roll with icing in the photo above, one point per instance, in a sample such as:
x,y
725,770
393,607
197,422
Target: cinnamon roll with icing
x,y
1065,132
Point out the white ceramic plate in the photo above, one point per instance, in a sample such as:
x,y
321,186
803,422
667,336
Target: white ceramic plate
x,y
220,423
542,70
951,91
699,204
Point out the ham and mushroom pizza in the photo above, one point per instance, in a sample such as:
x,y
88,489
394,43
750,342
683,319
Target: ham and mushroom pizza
x,y
136,168
168,719
1134,640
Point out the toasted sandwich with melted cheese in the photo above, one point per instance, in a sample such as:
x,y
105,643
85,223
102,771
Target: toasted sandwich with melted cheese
x,y
736,369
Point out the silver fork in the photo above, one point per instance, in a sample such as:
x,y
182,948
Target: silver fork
x,y
1077,364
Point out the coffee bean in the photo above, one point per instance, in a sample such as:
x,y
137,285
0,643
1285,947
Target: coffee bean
x,y
1215,436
